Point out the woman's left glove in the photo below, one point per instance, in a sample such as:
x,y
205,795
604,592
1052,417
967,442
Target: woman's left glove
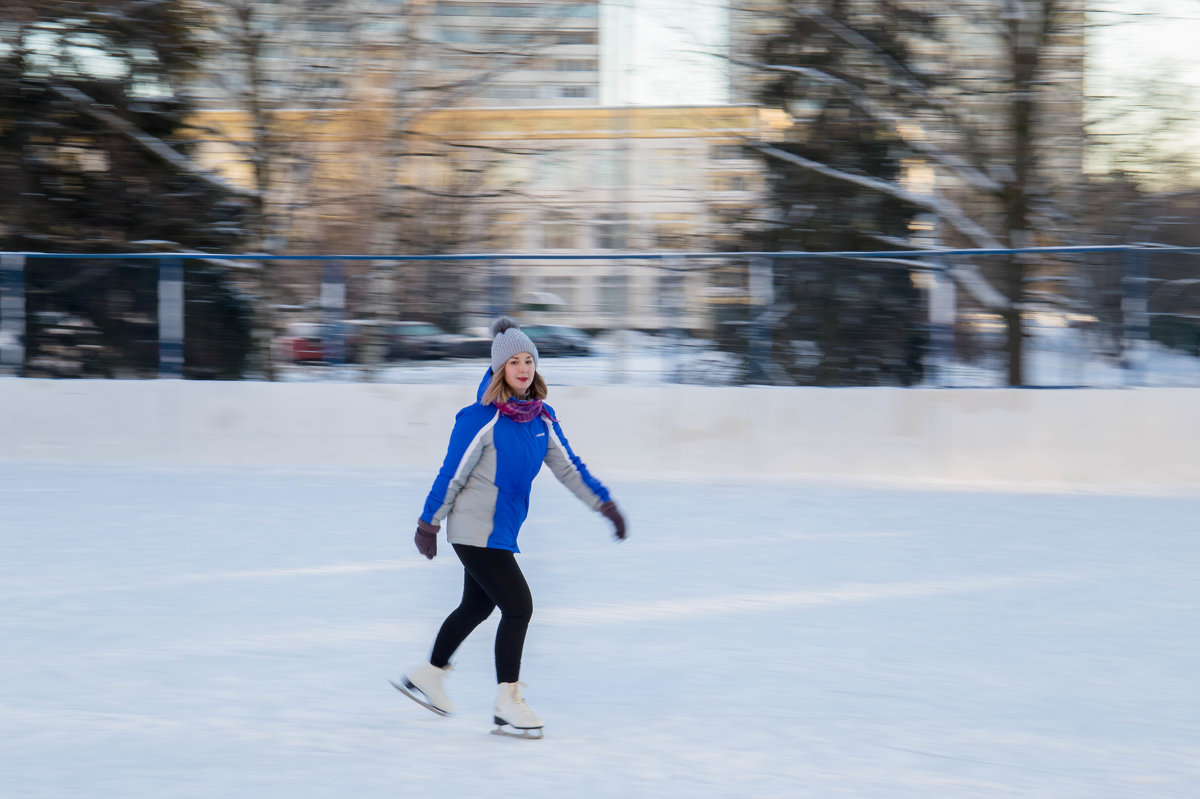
x,y
426,538
609,509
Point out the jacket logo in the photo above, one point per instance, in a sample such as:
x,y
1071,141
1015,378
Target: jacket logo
x,y
540,435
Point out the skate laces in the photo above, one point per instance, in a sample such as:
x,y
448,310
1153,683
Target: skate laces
x,y
515,695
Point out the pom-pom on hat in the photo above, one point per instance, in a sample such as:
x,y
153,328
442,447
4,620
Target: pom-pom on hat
x,y
508,340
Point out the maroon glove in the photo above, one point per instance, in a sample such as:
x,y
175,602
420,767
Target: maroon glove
x,y
426,538
609,509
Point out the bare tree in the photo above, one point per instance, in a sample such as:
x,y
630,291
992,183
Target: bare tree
x,y
329,101
990,97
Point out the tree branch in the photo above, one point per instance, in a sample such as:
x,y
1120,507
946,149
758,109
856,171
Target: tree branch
x,y
155,146
966,274
896,124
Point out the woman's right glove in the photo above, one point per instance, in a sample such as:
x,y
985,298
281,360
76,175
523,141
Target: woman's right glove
x,y
426,538
609,509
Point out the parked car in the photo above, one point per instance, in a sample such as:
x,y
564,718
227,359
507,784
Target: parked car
x,y
470,346
425,340
559,340
358,334
578,341
409,340
302,342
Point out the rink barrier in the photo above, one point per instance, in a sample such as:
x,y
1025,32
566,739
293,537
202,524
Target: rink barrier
x,y
1135,439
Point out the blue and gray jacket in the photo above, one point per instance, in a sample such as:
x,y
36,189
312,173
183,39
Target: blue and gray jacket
x,y
483,487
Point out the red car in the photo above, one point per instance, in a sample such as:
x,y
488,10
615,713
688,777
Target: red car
x,y
303,342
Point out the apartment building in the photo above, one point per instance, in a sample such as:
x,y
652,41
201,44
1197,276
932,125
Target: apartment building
x,y
560,183
339,53
614,182
513,53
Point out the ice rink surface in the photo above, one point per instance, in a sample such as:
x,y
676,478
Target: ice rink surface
x,y
230,633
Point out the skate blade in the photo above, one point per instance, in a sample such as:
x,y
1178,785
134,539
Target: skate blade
x,y
413,693
533,734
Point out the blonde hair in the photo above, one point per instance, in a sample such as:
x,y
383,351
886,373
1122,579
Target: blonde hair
x,y
500,392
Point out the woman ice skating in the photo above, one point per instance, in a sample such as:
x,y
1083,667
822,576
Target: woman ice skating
x,y
497,447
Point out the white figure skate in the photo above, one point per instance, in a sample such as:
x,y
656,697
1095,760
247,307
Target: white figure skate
x,y
512,716
423,685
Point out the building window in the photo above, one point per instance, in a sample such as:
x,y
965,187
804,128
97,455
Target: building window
x,y
575,65
512,10
611,231
614,294
514,91
508,174
455,9
575,91
669,296
558,232
510,37
588,8
608,167
565,170
575,37
558,171
669,168
457,35
383,25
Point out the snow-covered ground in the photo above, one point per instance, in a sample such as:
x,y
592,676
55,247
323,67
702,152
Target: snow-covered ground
x,y
1057,356
230,633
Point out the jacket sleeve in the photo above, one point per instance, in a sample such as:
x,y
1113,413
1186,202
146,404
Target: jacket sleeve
x,y
467,441
569,469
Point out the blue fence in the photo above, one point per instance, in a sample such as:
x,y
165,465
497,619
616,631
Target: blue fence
x,y
1136,287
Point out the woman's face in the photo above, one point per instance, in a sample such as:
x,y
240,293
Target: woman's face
x,y
518,373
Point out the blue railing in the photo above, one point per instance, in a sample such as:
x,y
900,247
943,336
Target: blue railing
x,y
627,256
171,295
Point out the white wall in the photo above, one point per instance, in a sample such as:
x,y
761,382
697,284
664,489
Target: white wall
x,y
1100,438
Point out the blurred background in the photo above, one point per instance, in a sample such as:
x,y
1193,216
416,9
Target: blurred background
x,y
360,186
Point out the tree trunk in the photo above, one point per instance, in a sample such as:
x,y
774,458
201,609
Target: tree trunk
x,y
1026,36
264,314
1015,336
264,322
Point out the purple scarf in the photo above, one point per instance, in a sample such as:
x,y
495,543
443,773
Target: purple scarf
x,y
522,410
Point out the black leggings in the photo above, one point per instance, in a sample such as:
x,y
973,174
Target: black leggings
x,y
492,579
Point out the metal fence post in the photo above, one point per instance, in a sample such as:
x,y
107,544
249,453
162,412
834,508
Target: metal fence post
x,y
333,311
499,290
762,299
170,317
942,313
673,306
12,313
1134,308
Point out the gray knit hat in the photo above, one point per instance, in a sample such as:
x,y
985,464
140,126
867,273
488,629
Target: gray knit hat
x,y
509,340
